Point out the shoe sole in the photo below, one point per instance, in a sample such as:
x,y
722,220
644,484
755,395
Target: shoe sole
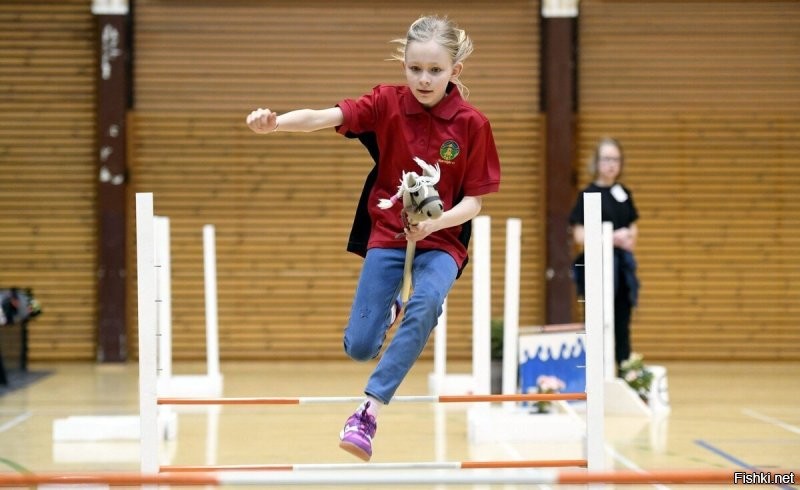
x,y
355,450
398,317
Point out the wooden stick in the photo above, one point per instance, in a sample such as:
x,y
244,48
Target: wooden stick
x,y
411,248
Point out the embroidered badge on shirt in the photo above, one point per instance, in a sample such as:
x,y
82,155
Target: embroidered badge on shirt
x,y
619,193
449,151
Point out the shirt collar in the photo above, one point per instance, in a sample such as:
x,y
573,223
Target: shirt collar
x,y
445,109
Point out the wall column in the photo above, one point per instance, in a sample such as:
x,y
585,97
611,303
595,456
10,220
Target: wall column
x,y
559,94
113,88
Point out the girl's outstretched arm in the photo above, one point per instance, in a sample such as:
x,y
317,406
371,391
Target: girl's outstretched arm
x,y
264,121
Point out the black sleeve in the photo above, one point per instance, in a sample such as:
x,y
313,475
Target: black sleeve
x,y
362,223
634,213
576,215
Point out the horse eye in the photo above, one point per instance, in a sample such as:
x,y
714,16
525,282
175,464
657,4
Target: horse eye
x,y
415,194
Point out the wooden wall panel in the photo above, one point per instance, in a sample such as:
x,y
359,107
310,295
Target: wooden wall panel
x,y
47,166
283,204
704,97
209,55
691,55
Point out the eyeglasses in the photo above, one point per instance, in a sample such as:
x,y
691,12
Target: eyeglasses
x,y
609,159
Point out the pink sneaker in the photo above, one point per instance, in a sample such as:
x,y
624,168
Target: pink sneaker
x,y
357,434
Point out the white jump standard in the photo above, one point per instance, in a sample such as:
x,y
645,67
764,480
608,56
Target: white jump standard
x,y
150,401
169,384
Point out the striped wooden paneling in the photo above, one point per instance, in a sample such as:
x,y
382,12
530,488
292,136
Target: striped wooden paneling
x,y
678,56
283,204
211,55
704,97
47,166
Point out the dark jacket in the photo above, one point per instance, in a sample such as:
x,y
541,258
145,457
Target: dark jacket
x,y
624,269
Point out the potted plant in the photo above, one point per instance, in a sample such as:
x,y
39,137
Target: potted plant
x,y
636,374
547,385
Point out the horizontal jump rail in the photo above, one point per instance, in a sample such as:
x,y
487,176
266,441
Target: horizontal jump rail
x,y
427,465
389,477
530,397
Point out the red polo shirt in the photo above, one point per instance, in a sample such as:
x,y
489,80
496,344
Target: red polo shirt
x,y
453,134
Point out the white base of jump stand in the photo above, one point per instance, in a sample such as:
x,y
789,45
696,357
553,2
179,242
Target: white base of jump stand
x,y
107,452
98,452
93,428
486,424
452,384
190,386
622,400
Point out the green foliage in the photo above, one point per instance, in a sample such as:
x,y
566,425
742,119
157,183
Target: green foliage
x,y
497,339
638,377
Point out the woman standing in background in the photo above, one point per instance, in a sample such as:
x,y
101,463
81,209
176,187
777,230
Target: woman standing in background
x,y
619,209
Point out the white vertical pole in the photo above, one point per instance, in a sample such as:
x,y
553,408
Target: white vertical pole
x,y
439,374
146,306
593,254
212,328
440,431
164,295
440,350
511,308
212,433
610,365
481,305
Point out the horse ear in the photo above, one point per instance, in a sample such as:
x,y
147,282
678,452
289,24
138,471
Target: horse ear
x,y
433,172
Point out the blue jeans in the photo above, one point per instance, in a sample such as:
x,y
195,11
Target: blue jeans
x,y
433,274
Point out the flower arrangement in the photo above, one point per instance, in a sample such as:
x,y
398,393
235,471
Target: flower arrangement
x,y
547,384
638,377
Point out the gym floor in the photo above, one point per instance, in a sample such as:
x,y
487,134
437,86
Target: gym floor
x,y
741,415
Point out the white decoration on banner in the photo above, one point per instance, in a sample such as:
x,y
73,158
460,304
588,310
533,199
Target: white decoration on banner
x,y
110,50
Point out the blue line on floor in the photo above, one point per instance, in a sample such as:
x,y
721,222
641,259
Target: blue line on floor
x,y
733,459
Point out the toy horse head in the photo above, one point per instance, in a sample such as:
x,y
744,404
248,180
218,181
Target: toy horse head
x,y
421,200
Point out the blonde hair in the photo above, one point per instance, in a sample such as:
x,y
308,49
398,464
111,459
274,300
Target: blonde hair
x,y
445,33
595,158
